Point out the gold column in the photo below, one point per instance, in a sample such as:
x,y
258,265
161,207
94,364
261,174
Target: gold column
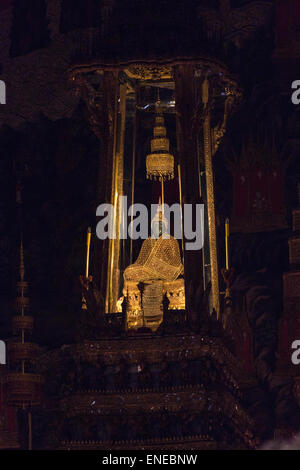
x,y
208,154
113,274
133,180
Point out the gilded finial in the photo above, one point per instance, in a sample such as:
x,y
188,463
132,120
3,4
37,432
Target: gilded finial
x,y
160,163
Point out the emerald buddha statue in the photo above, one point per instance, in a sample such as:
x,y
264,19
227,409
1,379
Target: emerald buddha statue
x,y
159,258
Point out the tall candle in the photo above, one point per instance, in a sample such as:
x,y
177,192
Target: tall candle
x,y
88,245
227,242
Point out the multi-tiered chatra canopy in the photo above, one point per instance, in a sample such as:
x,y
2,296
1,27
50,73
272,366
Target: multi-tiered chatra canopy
x,y
160,163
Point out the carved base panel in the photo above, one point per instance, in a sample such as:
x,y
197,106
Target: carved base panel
x,y
294,246
188,443
145,308
23,389
291,284
153,413
296,219
259,222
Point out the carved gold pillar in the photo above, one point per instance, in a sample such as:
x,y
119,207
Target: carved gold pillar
x,y
107,124
185,91
113,271
210,191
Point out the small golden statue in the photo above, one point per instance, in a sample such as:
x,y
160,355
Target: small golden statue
x,y
159,258
157,268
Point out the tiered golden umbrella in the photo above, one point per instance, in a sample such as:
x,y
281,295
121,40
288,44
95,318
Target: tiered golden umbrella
x,y
160,162
22,387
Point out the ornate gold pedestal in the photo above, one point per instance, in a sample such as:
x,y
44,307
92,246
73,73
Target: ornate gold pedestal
x,y
145,302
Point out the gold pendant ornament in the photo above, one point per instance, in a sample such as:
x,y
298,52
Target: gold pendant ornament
x,y
160,163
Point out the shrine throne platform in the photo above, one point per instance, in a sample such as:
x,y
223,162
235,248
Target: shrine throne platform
x,y
138,392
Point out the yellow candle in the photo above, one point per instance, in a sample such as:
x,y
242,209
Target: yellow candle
x,y
226,242
88,245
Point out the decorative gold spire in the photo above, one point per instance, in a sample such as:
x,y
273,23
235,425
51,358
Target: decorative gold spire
x,y
160,163
22,301
22,266
22,386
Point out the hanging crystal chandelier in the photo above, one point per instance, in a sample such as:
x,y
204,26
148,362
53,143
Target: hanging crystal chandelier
x,y
160,163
